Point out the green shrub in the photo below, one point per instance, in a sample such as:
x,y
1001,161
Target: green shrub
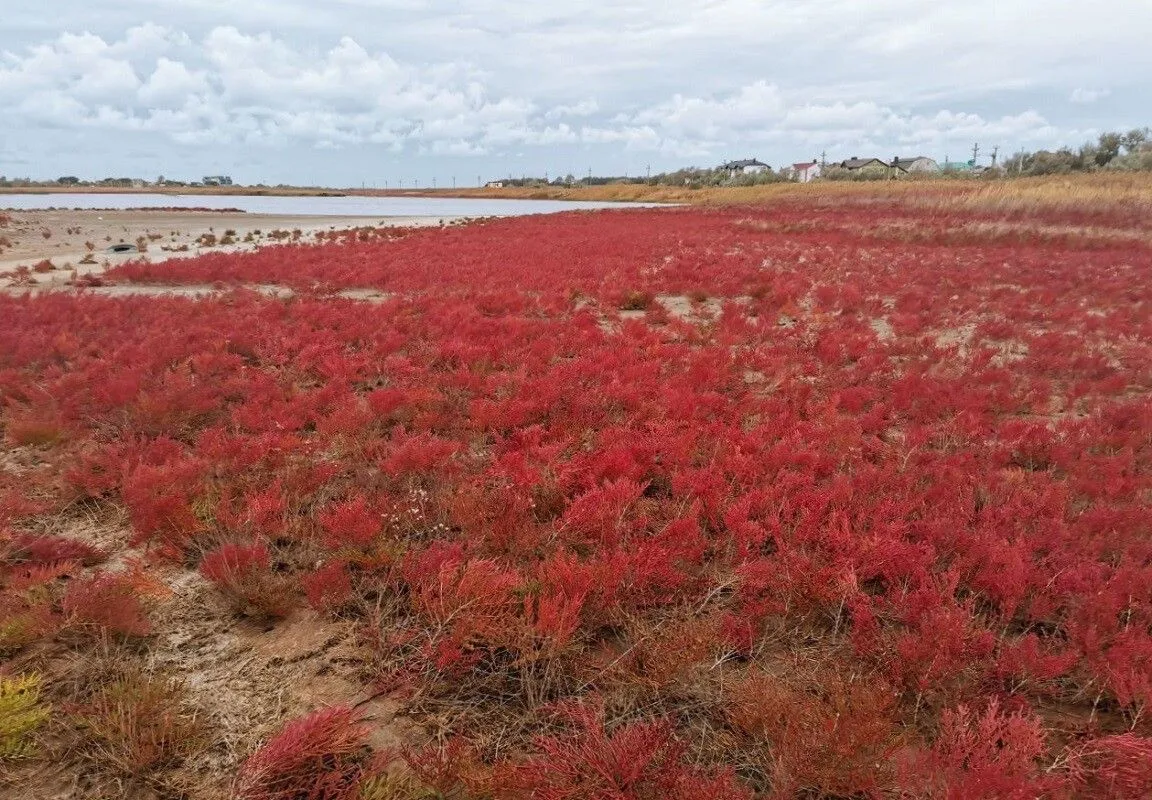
x,y
21,713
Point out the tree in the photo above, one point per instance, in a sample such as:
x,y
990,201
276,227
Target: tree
x,y
1108,148
1134,140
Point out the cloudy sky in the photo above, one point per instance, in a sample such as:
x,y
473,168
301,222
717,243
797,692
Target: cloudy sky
x,y
350,92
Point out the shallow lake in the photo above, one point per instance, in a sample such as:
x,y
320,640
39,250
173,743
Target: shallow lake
x,y
309,206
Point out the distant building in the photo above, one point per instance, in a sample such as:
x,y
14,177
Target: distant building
x,y
855,163
494,185
747,166
217,180
806,171
915,164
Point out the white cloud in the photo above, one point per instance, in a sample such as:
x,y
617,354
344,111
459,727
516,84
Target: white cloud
x,y
582,82
835,116
171,83
583,108
261,90
1088,96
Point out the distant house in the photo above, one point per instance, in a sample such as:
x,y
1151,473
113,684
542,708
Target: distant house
x,y
494,185
217,180
915,164
746,166
854,163
806,171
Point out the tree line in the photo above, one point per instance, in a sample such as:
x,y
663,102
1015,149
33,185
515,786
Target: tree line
x,y
1127,152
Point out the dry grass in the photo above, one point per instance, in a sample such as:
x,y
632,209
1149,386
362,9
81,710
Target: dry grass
x,y
1072,192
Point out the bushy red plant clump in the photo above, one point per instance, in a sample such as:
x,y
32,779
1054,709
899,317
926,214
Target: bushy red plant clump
x,y
106,602
26,548
318,757
244,573
830,509
639,759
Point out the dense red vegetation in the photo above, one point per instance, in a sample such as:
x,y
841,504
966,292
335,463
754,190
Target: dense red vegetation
x,y
876,522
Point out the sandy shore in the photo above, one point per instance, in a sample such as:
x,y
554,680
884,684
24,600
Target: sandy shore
x,y
82,242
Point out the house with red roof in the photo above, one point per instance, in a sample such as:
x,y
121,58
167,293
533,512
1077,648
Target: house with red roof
x,y
806,171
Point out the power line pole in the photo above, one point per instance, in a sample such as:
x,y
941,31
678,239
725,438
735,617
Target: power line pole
x,y
975,153
995,151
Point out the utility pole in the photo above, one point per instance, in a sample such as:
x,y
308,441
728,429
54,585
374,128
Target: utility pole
x,y
453,181
995,151
975,153
649,172
589,176
823,159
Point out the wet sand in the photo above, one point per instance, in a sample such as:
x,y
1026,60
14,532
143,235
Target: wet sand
x,y
81,242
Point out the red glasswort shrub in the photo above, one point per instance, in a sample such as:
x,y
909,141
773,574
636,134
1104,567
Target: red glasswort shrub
x,y
991,754
327,587
1114,766
106,601
821,733
244,573
636,759
350,524
26,548
318,757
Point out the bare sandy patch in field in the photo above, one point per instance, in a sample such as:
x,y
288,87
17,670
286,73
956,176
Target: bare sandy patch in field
x,y
243,677
81,242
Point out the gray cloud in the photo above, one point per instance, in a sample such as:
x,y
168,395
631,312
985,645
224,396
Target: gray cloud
x,y
363,89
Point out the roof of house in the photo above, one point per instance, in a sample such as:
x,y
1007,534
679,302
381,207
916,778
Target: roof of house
x,y
905,163
804,165
857,163
744,162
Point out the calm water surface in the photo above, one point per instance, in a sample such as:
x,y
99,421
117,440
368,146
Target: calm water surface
x,y
310,206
